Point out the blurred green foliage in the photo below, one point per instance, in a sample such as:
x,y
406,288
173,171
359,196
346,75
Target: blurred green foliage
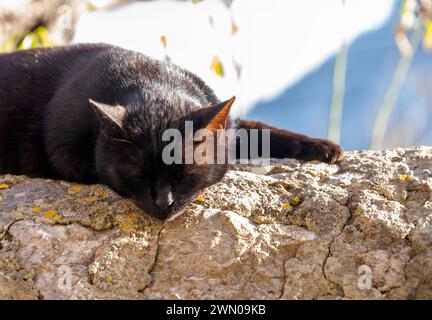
x,y
10,44
35,39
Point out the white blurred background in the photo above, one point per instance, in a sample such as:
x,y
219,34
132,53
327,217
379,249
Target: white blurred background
x,y
273,42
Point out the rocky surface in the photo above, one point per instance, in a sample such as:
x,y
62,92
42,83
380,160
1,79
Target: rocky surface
x,y
358,229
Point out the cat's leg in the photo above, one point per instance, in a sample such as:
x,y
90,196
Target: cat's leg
x,y
287,144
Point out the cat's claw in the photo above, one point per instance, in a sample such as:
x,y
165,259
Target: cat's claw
x,y
323,150
333,152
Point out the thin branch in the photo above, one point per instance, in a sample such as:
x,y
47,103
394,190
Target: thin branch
x,y
336,107
393,90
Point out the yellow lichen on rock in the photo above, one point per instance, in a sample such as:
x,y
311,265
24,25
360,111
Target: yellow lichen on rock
x,y
200,199
57,217
4,186
295,200
87,199
287,206
74,189
50,213
302,231
404,178
357,211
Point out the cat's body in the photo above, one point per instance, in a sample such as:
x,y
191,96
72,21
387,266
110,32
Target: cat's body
x,y
48,127
44,104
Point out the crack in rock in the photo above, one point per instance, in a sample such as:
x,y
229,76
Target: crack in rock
x,y
348,219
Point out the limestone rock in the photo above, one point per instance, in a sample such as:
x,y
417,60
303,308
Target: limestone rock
x,y
359,229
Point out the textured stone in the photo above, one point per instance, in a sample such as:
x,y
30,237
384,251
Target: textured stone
x,y
359,229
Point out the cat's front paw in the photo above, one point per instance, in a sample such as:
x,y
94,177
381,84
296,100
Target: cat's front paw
x,y
322,150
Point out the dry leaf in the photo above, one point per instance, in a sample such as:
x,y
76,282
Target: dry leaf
x,y
234,27
163,40
427,39
217,67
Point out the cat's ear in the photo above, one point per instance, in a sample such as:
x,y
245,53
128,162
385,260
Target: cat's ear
x,y
218,115
110,116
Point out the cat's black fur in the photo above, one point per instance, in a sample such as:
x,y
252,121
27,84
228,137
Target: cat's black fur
x,y
49,128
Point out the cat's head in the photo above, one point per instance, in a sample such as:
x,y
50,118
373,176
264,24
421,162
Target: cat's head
x,y
160,173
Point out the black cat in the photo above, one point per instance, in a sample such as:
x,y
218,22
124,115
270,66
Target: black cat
x,y
96,113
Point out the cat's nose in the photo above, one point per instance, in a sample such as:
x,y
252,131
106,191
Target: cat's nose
x,y
164,197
